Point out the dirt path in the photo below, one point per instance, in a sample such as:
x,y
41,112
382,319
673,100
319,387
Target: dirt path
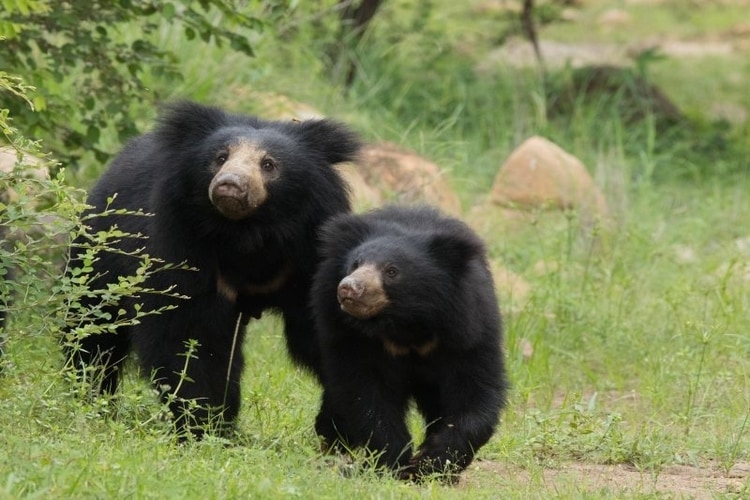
x,y
518,52
679,480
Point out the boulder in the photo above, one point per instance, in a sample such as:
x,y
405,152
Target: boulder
x,y
269,105
403,176
539,174
362,195
614,18
30,166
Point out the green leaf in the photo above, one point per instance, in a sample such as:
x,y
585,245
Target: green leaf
x,y
168,11
39,103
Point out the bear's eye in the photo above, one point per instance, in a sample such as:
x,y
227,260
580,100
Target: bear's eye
x,y
391,271
222,158
267,165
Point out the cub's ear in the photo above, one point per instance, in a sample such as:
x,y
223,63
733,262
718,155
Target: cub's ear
x,y
341,233
454,251
333,141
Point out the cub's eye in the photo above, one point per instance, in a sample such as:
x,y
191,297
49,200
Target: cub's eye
x,y
222,158
267,165
391,271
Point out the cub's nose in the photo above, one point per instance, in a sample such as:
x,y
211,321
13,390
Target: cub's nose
x,y
350,288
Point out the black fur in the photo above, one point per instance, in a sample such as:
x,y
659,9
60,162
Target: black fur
x,y
5,302
167,173
6,291
442,302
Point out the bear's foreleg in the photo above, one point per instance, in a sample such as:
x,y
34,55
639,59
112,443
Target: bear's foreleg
x,y
461,417
196,365
361,408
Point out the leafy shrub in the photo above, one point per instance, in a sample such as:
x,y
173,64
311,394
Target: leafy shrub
x,y
39,216
88,62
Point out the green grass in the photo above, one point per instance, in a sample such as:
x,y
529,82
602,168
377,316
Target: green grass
x,y
640,339
638,358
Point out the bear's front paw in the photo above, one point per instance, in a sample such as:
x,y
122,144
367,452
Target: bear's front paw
x,y
422,467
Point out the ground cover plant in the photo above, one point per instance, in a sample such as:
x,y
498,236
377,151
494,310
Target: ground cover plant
x,y
628,358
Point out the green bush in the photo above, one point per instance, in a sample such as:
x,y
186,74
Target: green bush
x,y
39,217
88,63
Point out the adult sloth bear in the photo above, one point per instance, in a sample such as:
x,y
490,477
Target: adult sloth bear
x,y
406,310
238,198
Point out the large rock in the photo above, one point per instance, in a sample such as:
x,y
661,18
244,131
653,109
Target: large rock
x,y
539,174
30,166
362,195
618,89
612,18
405,177
269,105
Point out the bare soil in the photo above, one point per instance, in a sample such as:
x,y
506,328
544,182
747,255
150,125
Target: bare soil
x,y
681,481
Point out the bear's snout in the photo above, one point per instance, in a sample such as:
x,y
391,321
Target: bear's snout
x,y
229,194
229,185
350,289
238,188
361,293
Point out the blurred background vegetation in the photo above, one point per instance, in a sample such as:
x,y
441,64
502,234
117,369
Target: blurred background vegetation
x,y
430,75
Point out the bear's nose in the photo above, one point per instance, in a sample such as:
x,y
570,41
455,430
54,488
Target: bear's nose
x,y
350,288
229,185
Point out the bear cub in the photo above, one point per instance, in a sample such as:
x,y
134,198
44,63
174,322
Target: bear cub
x,y
406,310
239,200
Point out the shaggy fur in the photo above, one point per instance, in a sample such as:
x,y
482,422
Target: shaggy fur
x,y
406,310
238,198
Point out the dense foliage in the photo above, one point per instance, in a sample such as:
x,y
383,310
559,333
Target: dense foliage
x,y
88,60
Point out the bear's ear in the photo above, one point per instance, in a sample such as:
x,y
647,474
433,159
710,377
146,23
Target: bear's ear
x,y
186,122
332,141
342,233
454,251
